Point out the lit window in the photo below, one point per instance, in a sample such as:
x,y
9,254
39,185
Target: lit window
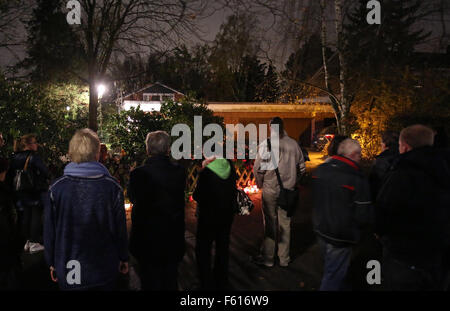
x,y
167,97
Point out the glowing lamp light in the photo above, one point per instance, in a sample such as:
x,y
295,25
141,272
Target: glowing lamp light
x,y
127,207
101,89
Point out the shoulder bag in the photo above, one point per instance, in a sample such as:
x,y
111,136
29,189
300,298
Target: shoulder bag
x,y
23,180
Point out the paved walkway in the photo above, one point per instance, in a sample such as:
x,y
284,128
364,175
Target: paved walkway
x,y
247,232
304,273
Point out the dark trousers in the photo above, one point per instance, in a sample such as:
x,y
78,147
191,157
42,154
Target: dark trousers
x,y
158,276
207,233
400,276
336,264
30,222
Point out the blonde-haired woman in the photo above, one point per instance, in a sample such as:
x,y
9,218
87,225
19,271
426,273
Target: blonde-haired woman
x,y
85,223
29,202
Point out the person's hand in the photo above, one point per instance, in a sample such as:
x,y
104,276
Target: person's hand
x,y
52,275
123,267
207,161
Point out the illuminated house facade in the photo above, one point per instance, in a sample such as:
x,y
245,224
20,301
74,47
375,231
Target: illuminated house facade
x,y
302,119
150,97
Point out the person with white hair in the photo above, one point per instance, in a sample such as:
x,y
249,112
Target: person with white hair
x,y
156,190
413,214
342,206
85,232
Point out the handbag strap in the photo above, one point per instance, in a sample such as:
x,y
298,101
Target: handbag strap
x,y
26,163
269,145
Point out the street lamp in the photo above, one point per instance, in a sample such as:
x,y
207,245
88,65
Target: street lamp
x,y
101,89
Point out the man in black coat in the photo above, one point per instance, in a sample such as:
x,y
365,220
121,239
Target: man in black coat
x,y
156,190
413,214
342,207
383,161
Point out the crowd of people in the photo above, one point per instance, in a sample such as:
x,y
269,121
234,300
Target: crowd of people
x,y
404,204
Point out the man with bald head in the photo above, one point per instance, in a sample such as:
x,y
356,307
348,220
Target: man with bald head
x,y
412,214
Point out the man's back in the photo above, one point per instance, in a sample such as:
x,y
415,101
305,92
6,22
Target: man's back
x,y
290,162
341,201
157,193
413,207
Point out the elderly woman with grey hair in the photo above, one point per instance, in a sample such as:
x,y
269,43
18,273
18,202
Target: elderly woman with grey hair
x,y
85,233
156,190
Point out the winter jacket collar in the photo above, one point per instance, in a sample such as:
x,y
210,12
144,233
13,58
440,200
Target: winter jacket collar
x,y
346,161
86,169
157,158
24,154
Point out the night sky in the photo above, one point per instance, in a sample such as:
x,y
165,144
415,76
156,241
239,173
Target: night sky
x,y
279,48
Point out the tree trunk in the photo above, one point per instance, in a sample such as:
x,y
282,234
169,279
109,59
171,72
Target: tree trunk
x,y
93,103
323,37
344,102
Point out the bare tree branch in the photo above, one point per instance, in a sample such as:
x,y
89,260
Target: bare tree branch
x,y
110,27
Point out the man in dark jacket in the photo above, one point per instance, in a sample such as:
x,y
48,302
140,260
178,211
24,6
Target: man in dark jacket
x,y
384,161
412,214
216,197
85,233
10,243
342,206
156,190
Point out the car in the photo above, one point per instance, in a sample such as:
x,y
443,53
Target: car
x,y
324,138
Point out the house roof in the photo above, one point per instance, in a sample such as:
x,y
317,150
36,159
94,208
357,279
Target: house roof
x,y
159,88
155,88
